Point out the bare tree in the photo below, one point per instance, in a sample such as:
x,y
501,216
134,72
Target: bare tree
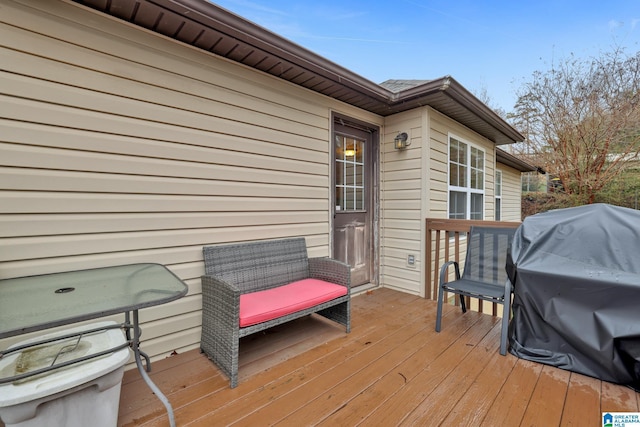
x,y
483,95
582,120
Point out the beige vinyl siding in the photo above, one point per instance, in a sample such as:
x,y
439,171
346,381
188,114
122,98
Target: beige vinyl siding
x,y
121,146
415,186
441,128
401,195
511,193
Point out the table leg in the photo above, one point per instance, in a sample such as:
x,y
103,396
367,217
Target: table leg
x,y
143,373
127,321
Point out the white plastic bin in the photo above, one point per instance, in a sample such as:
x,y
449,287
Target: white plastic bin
x,y
82,394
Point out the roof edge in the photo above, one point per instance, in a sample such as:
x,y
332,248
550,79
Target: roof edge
x,y
358,90
458,93
250,32
514,162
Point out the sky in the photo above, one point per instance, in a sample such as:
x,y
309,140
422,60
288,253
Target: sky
x,y
489,46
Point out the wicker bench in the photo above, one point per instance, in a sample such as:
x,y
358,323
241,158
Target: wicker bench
x,y
249,287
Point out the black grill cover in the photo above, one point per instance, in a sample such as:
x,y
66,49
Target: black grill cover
x,y
576,277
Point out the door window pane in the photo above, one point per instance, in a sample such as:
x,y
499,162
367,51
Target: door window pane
x,y
350,166
349,202
339,173
339,198
359,177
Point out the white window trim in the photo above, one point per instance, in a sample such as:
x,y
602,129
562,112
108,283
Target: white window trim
x,y
495,186
468,189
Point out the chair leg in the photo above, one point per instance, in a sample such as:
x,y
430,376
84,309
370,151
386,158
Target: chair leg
x,y
506,314
463,304
504,333
439,312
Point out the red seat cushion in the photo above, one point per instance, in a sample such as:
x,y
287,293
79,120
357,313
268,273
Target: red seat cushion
x,y
258,307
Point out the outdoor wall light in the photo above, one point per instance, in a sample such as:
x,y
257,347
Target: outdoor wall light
x,y
402,141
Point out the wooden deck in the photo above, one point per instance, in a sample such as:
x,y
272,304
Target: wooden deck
x,y
392,369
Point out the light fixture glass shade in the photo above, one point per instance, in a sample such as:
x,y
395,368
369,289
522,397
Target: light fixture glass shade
x,y
401,141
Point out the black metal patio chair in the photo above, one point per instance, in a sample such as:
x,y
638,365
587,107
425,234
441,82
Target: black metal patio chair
x,y
484,275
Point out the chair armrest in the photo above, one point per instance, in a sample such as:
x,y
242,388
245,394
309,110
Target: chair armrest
x,y
443,271
220,297
508,287
218,285
330,270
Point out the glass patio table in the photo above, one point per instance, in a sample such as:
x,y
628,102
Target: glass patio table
x,y
34,303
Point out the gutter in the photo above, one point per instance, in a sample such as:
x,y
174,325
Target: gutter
x,y
514,162
238,27
247,38
450,87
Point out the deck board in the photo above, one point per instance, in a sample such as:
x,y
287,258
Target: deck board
x,y
356,375
444,397
392,369
548,398
479,396
582,404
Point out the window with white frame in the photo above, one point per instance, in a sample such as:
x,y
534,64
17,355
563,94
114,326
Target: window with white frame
x,y
498,207
466,180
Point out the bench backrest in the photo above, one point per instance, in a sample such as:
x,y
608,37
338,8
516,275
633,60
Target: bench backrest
x,y
255,266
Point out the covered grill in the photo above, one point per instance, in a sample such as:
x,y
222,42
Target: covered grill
x,y
576,277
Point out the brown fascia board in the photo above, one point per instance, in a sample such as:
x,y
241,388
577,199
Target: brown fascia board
x,y
424,95
514,162
213,16
235,26
450,86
